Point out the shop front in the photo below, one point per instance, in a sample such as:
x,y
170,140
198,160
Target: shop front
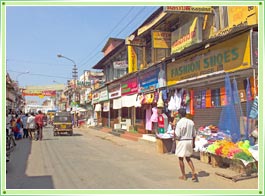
x,y
148,107
202,74
217,86
129,90
115,103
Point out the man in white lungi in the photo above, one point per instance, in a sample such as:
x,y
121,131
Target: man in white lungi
x,y
185,132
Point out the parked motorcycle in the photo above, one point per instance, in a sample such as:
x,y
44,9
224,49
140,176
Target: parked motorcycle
x,y
10,143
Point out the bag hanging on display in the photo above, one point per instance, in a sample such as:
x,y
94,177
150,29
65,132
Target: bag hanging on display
x,y
172,104
149,98
139,101
164,94
160,102
156,97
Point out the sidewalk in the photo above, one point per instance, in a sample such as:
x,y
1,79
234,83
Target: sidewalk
x,y
150,147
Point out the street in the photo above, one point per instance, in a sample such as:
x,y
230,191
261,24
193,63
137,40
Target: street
x,y
92,159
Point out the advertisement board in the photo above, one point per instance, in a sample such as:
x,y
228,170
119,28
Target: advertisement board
x,y
120,64
161,39
129,86
186,35
230,55
149,80
188,9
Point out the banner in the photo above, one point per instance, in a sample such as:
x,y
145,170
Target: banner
x,y
186,35
40,93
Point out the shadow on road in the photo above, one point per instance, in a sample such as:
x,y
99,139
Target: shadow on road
x,y
74,134
16,177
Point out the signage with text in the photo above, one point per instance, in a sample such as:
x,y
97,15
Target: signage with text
x,y
149,80
186,35
230,55
194,9
161,39
120,64
129,86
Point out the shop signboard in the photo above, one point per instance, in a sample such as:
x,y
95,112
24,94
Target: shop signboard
x,y
120,65
161,39
242,14
114,91
129,86
186,35
95,97
104,95
188,9
149,80
229,56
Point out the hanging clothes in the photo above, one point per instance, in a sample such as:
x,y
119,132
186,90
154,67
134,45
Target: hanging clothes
x,y
178,98
148,122
154,117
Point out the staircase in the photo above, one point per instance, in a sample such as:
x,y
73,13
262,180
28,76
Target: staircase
x,y
131,136
117,132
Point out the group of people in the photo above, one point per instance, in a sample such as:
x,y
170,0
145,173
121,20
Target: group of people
x,y
26,125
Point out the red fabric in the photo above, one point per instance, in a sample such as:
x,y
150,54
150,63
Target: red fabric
x,y
39,119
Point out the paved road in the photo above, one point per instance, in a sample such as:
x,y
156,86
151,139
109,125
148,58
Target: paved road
x,y
92,159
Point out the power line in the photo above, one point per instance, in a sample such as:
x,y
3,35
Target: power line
x,y
107,36
133,18
19,61
131,21
37,74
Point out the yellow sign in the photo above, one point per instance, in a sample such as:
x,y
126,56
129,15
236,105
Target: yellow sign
x,y
161,39
185,36
195,9
230,55
242,14
132,59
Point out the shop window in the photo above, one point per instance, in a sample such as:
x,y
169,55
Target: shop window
x,y
125,113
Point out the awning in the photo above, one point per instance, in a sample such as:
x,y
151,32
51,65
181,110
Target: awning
x,y
98,107
129,100
117,103
81,109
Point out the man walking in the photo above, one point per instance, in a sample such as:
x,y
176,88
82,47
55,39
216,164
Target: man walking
x,y
25,128
185,132
39,123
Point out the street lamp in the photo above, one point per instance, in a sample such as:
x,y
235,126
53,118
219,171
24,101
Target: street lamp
x,y
74,72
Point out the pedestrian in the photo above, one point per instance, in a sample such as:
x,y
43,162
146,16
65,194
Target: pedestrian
x,y
171,132
18,129
39,122
25,128
31,125
185,132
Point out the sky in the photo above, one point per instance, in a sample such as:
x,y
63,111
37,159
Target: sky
x,y
36,34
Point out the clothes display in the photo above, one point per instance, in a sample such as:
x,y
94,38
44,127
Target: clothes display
x,y
154,117
148,122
